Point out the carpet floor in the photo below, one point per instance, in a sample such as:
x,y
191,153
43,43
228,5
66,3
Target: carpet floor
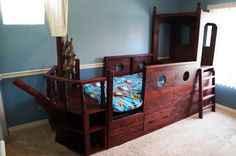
x,y
215,135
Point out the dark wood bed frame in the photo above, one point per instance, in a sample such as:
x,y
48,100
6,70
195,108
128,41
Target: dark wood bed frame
x,y
85,127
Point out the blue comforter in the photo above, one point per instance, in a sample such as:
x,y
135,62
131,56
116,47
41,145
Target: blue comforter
x,y
127,92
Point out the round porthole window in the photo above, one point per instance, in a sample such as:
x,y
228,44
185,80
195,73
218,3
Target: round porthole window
x,y
142,65
161,81
119,67
186,76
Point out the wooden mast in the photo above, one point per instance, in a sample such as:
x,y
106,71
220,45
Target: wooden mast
x,y
60,59
155,34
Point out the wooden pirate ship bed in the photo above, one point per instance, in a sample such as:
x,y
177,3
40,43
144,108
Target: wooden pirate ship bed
x,y
137,95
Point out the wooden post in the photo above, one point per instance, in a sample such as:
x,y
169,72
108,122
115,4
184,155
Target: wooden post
x,y
213,91
82,100
60,62
103,94
87,143
110,75
200,107
77,69
155,36
197,31
60,59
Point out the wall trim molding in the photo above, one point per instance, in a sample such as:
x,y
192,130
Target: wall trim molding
x,y
45,70
27,125
23,73
90,66
228,109
221,6
42,71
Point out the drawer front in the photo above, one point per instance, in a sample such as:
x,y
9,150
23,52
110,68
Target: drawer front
x,y
125,129
157,120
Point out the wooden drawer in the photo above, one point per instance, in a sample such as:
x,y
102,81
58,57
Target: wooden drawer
x,y
125,129
157,120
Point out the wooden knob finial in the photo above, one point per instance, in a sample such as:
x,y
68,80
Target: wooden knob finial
x,y
198,6
154,10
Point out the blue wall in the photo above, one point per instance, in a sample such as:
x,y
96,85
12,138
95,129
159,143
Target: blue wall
x,y
25,47
102,28
19,106
99,28
224,95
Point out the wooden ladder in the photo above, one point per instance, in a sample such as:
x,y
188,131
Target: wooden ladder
x,y
206,89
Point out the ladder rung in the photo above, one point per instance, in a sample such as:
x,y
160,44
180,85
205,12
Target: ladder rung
x,y
207,68
209,77
208,87
208,106
208,97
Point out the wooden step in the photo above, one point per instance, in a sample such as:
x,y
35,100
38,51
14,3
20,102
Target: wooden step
x,y
208,87
70,127
95,110
96,128
208,97
209,77
90,110
208,106
78,129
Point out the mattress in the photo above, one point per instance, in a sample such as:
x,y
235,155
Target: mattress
x,y
127,92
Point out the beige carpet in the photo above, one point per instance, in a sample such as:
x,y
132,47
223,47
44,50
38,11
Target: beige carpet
x,y
215,135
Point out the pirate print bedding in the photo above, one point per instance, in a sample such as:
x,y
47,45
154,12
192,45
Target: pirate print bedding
x,y
127,92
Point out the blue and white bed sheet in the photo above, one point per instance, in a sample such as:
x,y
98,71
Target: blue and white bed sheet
x,y
127,92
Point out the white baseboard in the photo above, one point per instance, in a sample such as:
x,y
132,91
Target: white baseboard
x,y
28,125
2,148
226,108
